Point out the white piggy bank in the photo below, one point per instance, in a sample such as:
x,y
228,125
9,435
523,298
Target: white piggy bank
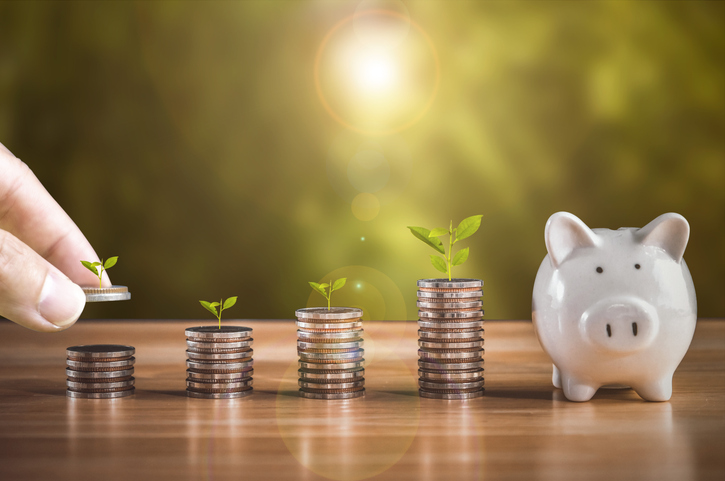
x,y
615,307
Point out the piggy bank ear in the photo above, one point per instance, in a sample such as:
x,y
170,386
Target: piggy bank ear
x,y
670,232
564,234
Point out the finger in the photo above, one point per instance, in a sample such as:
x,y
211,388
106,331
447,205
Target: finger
x,y
33,293
29,212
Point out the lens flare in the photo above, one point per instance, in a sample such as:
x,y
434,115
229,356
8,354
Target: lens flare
x,y
376,88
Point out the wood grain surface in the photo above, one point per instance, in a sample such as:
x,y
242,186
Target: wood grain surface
x,y
522,428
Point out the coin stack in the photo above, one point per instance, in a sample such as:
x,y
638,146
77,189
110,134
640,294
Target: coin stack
x,y
329,344
105,294
220,364
450,337
101,371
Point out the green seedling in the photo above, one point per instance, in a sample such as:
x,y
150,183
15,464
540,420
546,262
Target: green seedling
x,y
333,286
466,228
97,268
222,304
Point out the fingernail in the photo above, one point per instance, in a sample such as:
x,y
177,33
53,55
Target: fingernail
x,y
61,301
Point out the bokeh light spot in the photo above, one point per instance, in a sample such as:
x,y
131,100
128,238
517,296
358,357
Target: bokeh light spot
x,y
365,206
368,171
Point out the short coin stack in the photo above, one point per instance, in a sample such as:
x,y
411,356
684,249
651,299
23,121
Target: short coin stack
x,y
450,337
219,362
101,371
329,344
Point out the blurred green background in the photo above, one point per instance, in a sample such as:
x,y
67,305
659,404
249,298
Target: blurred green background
x,y
245,148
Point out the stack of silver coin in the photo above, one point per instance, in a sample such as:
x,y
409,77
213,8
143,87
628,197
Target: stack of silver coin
x,y
219,362
329,344
101,371
450,337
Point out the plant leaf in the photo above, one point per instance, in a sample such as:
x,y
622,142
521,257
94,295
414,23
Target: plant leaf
x,y
214,304
209,307
324,285
422,234
110,262
96,264
88,265
439,263
338,284
460,257
317,287
230,302
438,231
468,227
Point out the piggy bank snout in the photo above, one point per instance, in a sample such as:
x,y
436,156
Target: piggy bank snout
x,y
622,325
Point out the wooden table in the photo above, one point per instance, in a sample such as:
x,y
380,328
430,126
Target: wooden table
x,y
522,428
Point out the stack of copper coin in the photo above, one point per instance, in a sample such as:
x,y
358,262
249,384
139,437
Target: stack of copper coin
x,y
450,337
219,362
329,344
101,371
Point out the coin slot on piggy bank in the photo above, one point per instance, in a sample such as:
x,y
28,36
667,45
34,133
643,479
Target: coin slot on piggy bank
x,y
615,308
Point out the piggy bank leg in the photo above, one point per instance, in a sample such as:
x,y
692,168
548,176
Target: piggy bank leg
x,y
656,390
556,377
575,389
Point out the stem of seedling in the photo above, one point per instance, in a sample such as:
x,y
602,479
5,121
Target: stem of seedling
x,y
450,248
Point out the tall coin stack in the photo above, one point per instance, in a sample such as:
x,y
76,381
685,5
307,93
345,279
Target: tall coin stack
x,y
101,371
329,344
219,362
450,337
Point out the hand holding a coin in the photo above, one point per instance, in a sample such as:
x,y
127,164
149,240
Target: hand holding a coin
x,y
40,249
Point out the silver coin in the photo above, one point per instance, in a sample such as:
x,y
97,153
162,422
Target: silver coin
x,y
335,336
452,366
218,366
100,395
199,356
319,325
472,295
206,386
424,335
456,376
209,333
452,284
330,345
98,365
98,374
332,356
319,366
103,351
332,396
80,386
423,354
221,376
449,305
322,313
450,315
104,294
432,324
342,385
219,395
450,345
450,396
219,345
465,385
317,375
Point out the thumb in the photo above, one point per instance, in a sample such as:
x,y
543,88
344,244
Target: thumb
x,y
34,293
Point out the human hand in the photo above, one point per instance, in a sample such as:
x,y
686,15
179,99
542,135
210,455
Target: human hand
x,y
40,253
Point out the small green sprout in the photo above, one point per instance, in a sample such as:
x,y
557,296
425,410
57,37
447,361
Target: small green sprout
x,y
222,304
333,287
91,266
466,228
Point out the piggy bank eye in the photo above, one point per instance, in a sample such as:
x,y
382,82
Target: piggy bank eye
x,y
637,266
600,270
